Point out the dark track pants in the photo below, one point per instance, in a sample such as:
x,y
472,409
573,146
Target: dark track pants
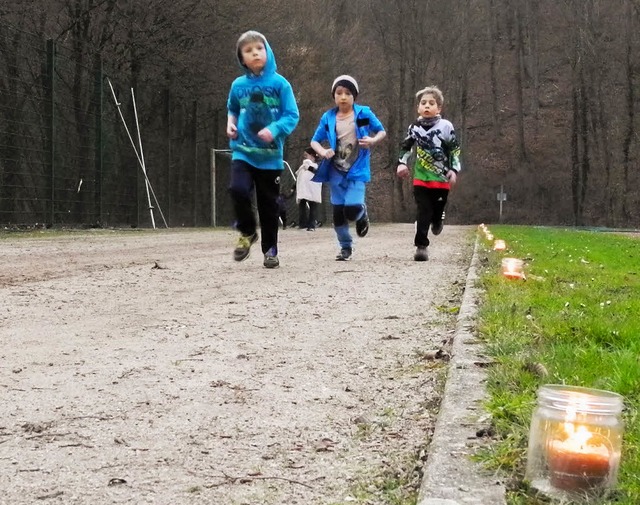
x,y
430,203
244,179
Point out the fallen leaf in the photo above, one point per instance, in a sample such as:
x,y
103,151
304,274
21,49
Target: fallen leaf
x,y
325,445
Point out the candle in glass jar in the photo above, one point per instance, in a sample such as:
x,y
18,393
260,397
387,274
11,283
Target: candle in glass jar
x,y
580,462
575,442
499,245
512,268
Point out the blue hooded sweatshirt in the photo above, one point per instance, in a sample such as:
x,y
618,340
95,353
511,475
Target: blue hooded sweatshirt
x,y
259,101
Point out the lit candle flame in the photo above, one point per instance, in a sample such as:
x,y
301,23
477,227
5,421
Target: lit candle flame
x,y
580,435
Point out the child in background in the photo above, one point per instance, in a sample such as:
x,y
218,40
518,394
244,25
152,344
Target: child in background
x,y
347,129
308,193
262,112
436,166
282,205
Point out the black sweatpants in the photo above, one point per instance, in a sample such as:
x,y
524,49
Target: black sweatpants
x,y
430,204
307,213
244,179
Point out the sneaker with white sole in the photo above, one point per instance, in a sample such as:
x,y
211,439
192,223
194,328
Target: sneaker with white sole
x,y
271,258
344,254
243,247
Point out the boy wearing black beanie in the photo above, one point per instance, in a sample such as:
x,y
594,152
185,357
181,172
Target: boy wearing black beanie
x,y
348,131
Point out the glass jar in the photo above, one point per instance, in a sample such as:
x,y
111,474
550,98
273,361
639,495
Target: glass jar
x,y
499,245
575,442
512,268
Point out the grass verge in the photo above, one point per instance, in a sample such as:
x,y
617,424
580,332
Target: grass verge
x,y
575,320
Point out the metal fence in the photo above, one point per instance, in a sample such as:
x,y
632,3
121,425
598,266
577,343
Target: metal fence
x,y
66,158
71,157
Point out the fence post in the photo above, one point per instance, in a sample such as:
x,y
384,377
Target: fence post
x,y
194,138
99,148
168,118
50,115
214,217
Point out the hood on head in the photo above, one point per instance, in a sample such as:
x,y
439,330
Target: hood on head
x,y
270,66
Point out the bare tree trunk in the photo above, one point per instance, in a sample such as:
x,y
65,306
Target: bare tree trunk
x,y
464,73
519,91
602,135
12,105
585,160
492,69
388,14
80,35
580,141
630,132
533,30
575,157
598,142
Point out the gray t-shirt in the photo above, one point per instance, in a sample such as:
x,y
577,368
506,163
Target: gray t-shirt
x,y
347,148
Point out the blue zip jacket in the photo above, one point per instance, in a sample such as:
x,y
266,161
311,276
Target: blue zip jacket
x,y
259,101
366,124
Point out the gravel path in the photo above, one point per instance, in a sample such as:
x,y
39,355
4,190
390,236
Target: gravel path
x,y
148,367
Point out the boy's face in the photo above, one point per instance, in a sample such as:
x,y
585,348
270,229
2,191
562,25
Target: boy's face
x,y
427,106
343,98
254,56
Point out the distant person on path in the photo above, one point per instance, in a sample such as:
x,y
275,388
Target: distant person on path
x,y
308,193
436,167
347,130
262,112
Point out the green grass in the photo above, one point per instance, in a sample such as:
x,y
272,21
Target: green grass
x,y
574,320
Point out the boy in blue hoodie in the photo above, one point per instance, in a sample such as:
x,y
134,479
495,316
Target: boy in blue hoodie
x,y
262,112
349,130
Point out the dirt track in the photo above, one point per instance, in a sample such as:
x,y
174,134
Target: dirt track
x,y
148,367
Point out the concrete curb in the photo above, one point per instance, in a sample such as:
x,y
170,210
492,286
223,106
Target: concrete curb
x,y
450,477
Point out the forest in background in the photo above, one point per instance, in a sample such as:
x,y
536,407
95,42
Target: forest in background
x,y
542,93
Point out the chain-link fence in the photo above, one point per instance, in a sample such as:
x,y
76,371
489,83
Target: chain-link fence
x,y
66,158
74,139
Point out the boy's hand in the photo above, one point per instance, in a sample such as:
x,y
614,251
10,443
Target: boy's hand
x,y
452,176
265,135
402,171
328,154
366,142
232,131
